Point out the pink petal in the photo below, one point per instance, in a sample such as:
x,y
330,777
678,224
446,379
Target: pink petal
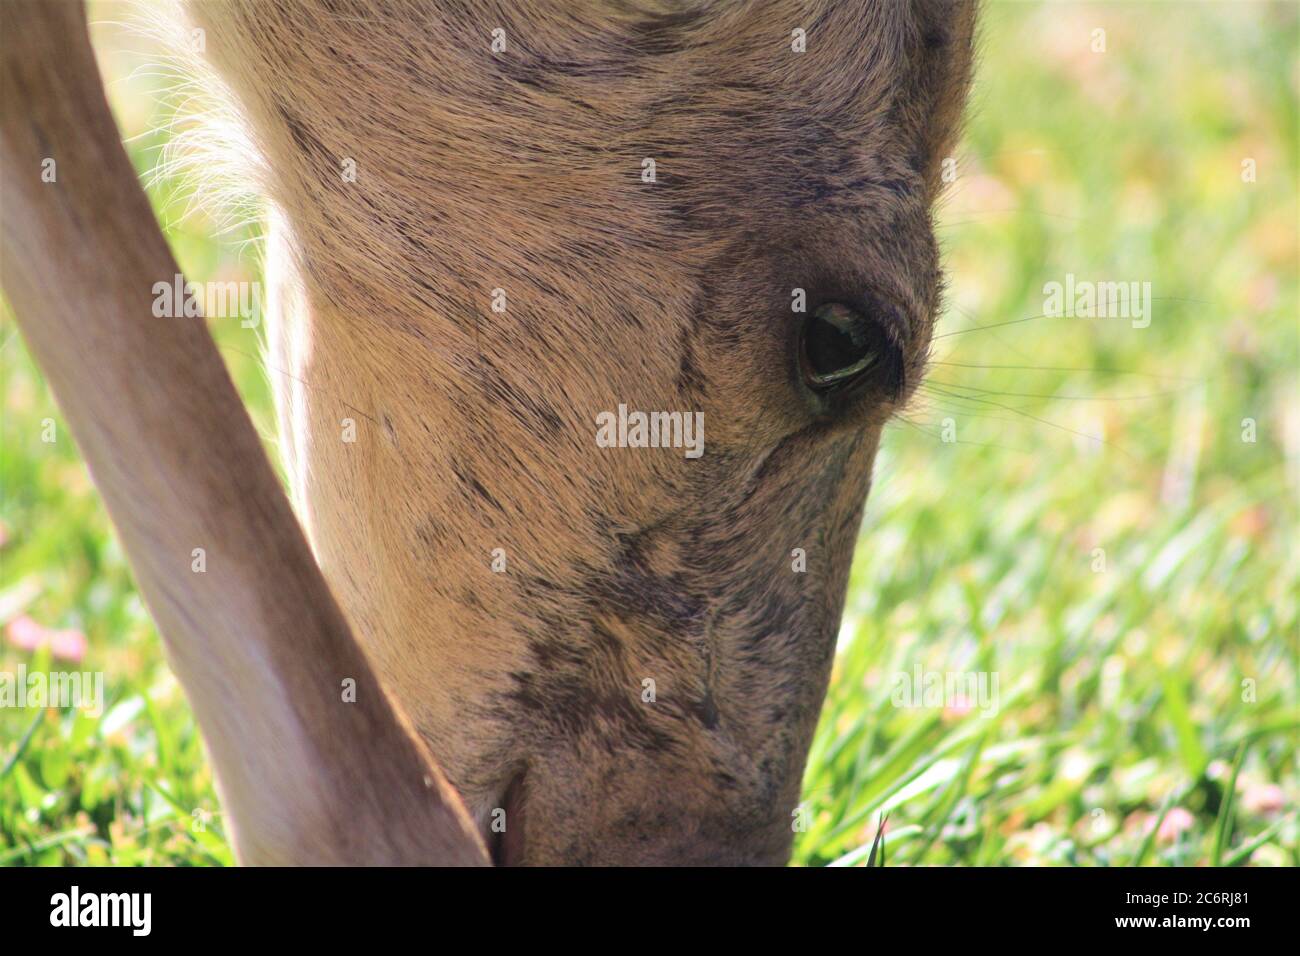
x,y
67,645
1263,798
25,633
1176,821
960,707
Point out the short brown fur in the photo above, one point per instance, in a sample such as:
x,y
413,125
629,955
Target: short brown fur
x,y
521,171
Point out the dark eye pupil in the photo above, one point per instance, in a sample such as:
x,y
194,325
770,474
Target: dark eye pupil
x,y
837,346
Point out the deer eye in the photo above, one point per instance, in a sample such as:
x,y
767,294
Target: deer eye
x,y
840,348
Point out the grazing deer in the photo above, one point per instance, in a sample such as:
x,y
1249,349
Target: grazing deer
x,y
493,229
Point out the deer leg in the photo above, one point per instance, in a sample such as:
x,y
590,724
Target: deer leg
x,y
306,775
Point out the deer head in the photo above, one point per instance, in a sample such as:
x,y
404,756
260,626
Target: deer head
x,y
500,234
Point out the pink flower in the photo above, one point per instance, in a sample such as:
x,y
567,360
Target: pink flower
x,y
1176,822
1263,798
959,707
25,633
66,645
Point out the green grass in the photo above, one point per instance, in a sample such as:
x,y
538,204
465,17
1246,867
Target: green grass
x,y
1160,686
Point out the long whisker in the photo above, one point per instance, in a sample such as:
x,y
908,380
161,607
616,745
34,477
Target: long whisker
x,y
1041,421
270,368
1068,398
972,401
1060,315
958,441
1063,368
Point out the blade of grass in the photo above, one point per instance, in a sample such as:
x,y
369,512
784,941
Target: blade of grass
x,y
23,743
944,806
1223,826
53,840
1243,852
878,843
1150,839
1189,745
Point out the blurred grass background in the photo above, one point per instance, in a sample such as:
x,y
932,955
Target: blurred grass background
x,y
1146,713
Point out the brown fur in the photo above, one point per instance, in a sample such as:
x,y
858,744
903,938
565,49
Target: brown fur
x,y
521,171
257,640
